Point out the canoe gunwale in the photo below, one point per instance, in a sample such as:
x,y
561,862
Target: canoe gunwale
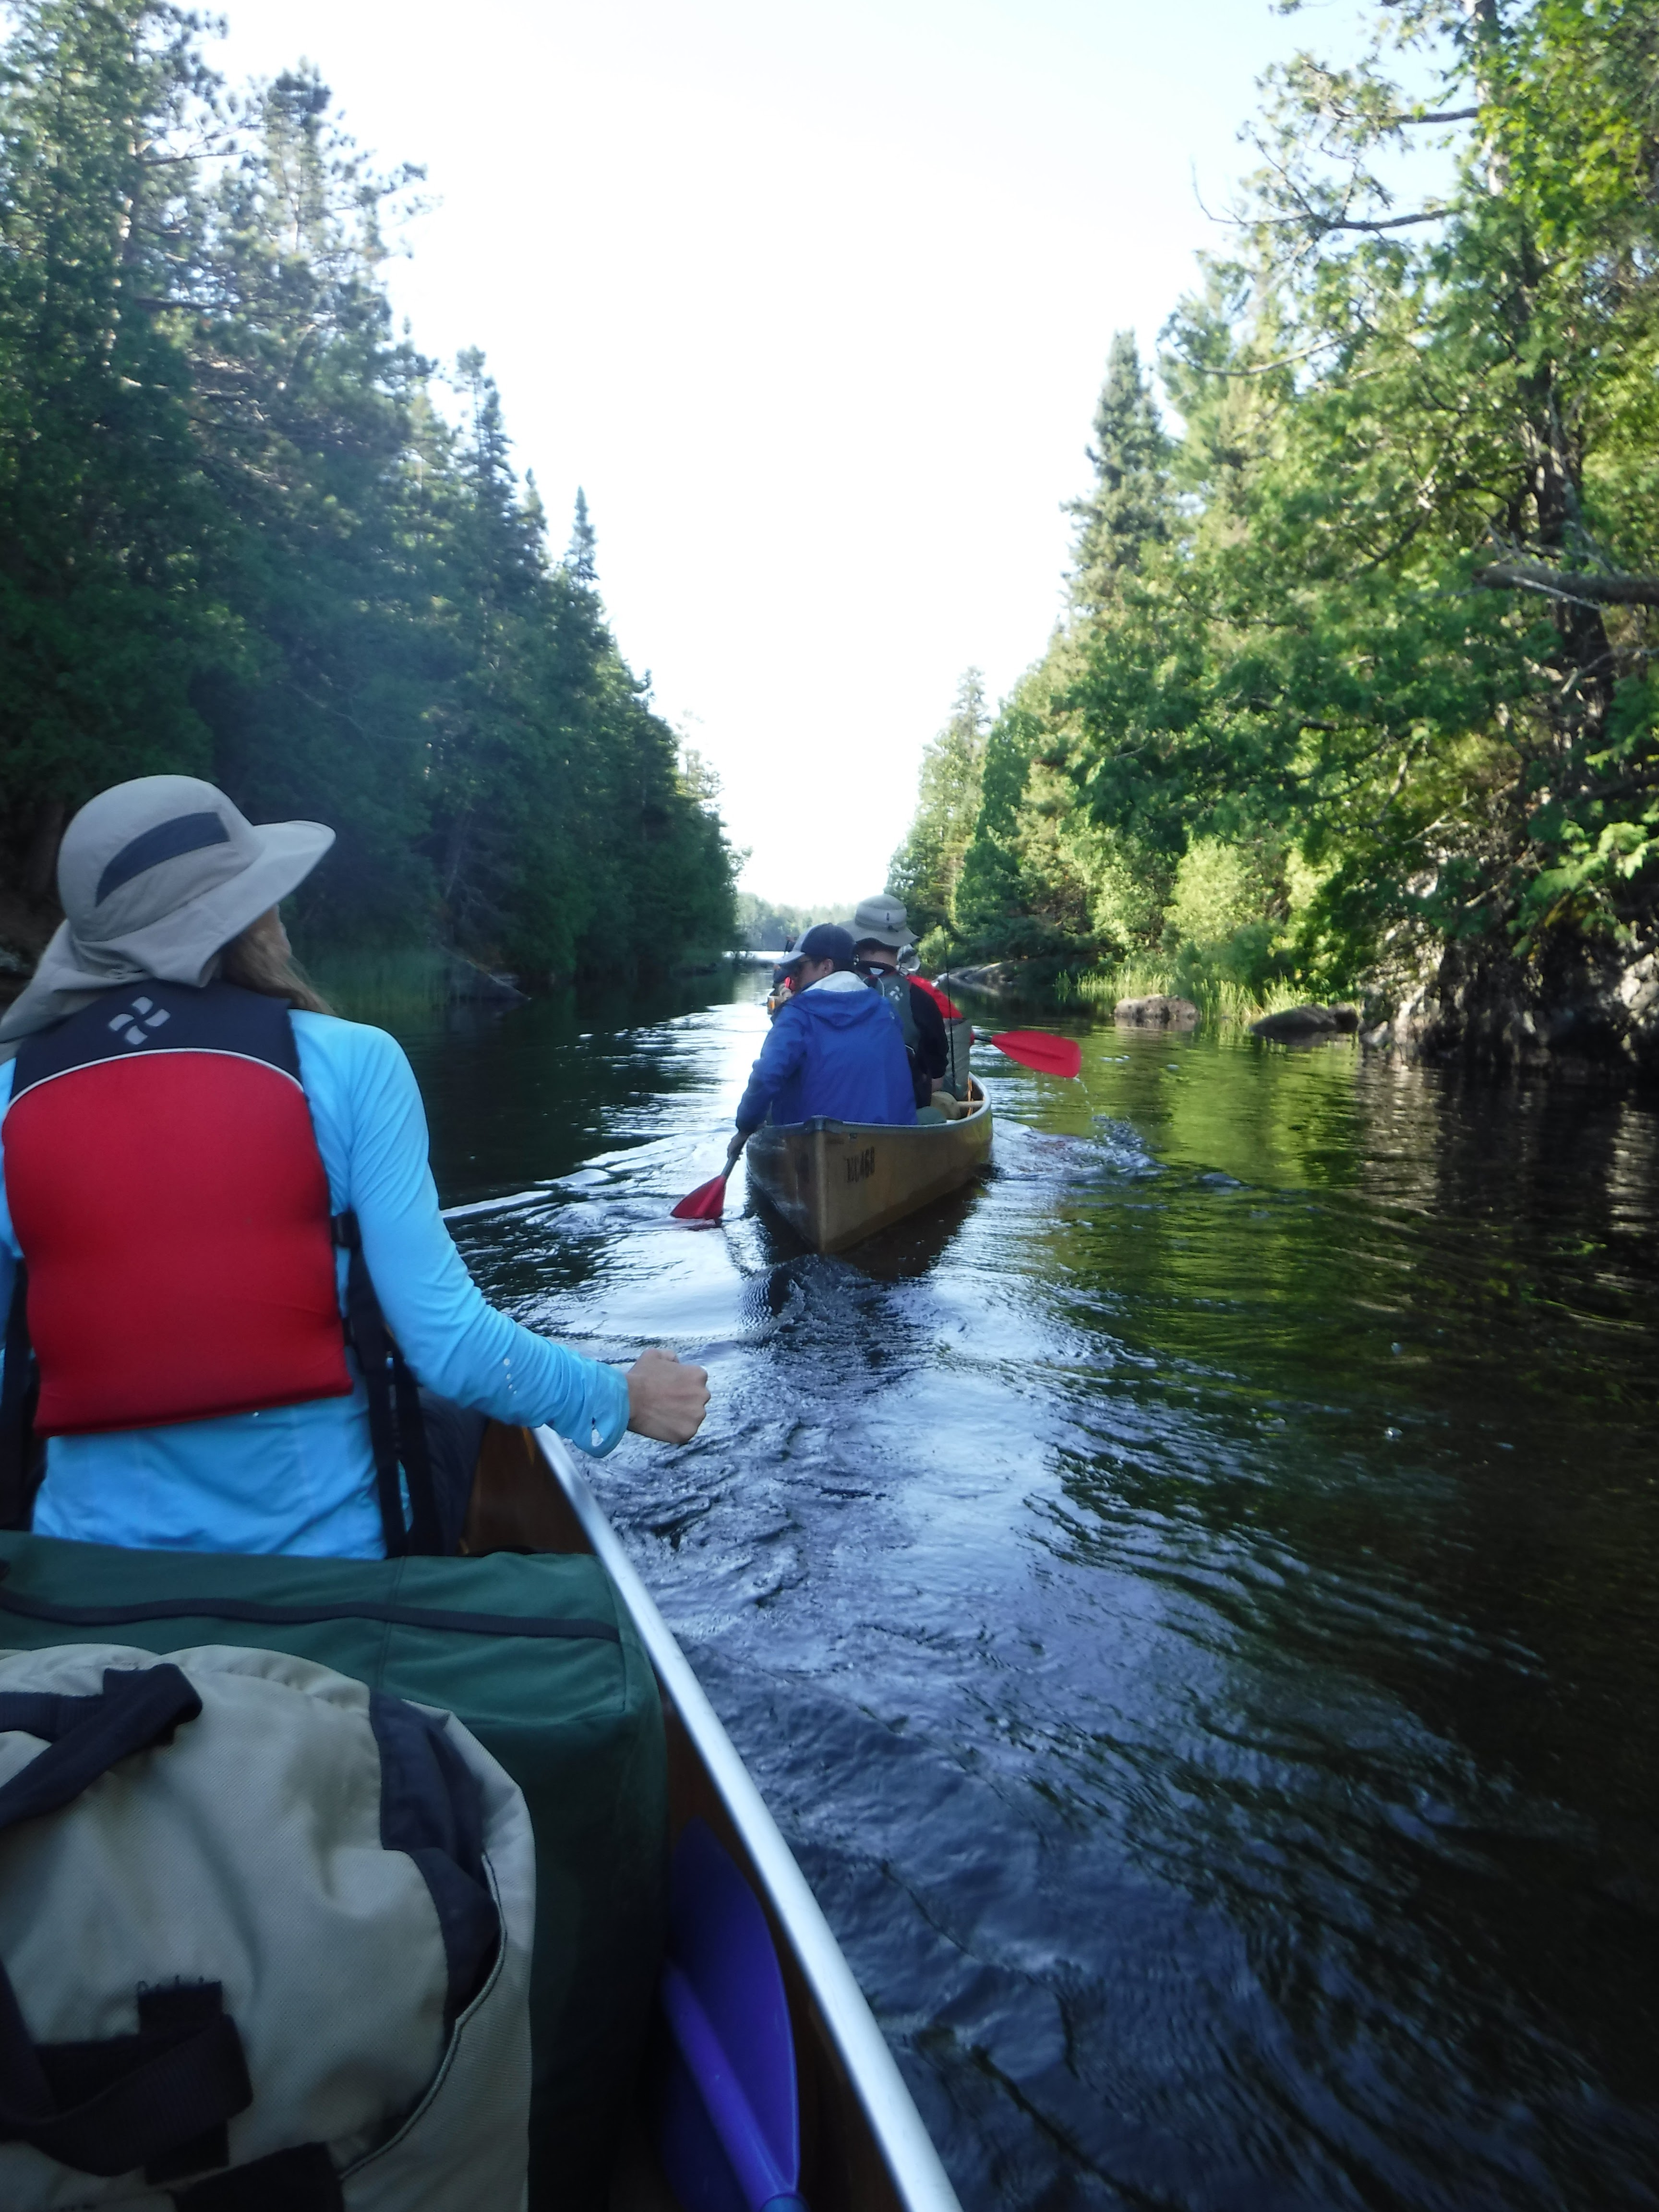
x,y
906,2148
925,1132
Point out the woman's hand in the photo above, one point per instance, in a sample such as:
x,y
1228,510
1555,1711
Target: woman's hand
x,y
666,1399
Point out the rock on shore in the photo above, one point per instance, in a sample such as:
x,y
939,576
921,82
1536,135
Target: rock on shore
x,y
1575,1006
1000,979
1156,1013
1302,1022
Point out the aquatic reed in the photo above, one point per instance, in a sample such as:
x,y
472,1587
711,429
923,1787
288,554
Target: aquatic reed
x,y
1218,998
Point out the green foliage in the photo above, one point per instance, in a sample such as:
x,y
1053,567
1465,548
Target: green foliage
x,y
1217,891
1128,508
241,539
927,866
1360,663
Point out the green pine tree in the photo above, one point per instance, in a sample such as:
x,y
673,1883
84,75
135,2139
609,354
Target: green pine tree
x,y
1128,507
581,557
927,866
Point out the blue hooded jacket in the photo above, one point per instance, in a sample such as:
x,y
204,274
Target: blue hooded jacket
x,y
832,1051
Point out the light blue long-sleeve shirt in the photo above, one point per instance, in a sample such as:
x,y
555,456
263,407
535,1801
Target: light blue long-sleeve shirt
x,y
301,1478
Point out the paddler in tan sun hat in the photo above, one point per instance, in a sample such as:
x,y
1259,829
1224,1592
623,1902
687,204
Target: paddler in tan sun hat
x,y
204,1173
881,933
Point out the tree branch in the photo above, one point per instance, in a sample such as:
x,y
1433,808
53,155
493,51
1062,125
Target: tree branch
x,y
1570,584
1378,222
1266,368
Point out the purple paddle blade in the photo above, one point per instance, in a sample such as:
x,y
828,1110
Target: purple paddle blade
x,y
728,2116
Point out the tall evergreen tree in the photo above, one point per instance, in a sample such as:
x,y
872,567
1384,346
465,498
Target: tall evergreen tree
x,y
926,867
237,537
581,559
1127,507
1371,646
105,622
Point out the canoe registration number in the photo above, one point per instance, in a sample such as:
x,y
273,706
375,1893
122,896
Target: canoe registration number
x,y
860,1165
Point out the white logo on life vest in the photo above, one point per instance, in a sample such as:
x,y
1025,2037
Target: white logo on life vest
x,y
126,1025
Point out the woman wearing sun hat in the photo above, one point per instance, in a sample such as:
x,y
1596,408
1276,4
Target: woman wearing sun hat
x,y
202,1172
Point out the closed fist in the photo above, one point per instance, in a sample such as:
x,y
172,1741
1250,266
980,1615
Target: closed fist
x,y
666,1399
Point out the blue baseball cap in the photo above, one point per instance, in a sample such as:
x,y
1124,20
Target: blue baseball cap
x,y
826,940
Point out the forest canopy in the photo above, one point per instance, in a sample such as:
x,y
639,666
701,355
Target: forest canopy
x,y
1356,685
241,537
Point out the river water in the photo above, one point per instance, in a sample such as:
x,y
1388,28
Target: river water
x,y
1190,1602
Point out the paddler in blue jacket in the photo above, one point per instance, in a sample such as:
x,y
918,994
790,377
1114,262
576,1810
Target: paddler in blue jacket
x,y
835,1049
195,1158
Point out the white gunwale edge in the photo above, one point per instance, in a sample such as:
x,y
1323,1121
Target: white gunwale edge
x,y
905,2143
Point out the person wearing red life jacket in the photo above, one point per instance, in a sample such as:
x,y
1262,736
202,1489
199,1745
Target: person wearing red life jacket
x,y
881,929
205,1179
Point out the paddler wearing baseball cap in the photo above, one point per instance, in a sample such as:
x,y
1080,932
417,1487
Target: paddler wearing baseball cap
x,y
835,1047
202,1168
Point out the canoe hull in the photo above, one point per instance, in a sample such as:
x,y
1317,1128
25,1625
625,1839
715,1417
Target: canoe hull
x,y
837,1182
864,2147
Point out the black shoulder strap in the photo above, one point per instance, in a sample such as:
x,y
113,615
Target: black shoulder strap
x,y
107,2106
396,1428
20,1455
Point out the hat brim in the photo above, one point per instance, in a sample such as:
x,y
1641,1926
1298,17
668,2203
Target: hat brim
x,y
881,937
180,947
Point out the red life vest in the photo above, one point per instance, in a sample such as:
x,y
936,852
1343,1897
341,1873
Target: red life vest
x,y
949,1012
166,1187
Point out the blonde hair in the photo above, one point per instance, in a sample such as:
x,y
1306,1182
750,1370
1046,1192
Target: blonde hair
x,y
260,959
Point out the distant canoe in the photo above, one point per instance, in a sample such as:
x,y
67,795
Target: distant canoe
x,y
837,1182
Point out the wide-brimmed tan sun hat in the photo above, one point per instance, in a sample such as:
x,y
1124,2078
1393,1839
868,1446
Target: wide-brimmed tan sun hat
x,y
156,877
883,920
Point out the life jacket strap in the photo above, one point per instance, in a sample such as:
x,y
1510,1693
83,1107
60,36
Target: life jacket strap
x,y
21,1461
396,1431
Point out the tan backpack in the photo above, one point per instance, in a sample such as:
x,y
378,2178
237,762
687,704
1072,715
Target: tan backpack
x,y
264,1942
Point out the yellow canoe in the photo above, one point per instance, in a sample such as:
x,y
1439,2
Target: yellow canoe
x,y
837,1182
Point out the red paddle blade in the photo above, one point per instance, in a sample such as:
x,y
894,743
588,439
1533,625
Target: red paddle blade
x,y
1049,1055
705,1203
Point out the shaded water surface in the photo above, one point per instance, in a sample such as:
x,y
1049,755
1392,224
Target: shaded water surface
x,y
1190,1602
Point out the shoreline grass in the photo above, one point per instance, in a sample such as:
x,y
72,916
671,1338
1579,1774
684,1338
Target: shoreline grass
x,y
384,983
1220,999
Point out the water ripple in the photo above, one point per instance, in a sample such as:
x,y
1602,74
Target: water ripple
x,y
1190,1602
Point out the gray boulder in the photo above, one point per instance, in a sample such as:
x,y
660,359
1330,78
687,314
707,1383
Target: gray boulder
x,y
1156,1013
1294,1022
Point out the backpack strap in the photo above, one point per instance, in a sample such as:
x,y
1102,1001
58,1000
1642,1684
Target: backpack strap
x,y
396,1431
19,1471
105,2107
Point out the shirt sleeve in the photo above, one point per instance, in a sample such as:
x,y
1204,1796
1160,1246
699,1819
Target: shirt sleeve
x,y
780,1056
457,1343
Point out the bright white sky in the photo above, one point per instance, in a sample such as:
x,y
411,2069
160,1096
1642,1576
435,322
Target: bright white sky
x,y
813,298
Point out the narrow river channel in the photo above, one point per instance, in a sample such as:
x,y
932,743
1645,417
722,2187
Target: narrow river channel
x,y
1191,1602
